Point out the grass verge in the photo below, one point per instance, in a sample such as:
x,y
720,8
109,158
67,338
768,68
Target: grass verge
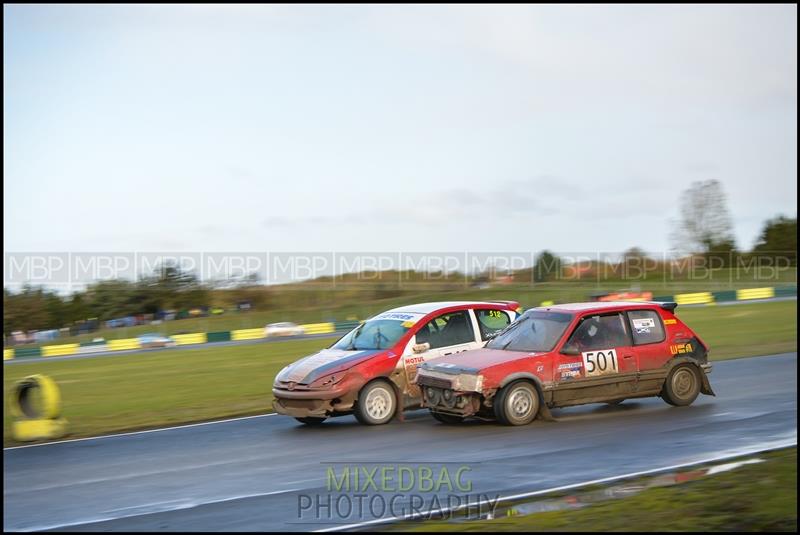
x,y
121,393
755,497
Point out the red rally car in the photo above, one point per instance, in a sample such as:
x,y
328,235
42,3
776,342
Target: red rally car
x,y
370,371
570,355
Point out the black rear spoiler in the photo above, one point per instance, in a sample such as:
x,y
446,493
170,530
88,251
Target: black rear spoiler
x,y
668,305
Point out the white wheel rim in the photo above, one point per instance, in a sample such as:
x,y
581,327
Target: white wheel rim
x,y
379,403
520,403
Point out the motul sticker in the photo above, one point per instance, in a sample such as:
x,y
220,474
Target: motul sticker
x,y
601,362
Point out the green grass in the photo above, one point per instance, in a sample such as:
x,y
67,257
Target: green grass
x,y
110,394
744,330
756,497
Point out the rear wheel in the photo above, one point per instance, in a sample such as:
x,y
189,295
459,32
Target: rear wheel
x,y
517,404
447,418
682,386
376,403
310,420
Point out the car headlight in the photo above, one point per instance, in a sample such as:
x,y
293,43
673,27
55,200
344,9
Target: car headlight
x,y
328,380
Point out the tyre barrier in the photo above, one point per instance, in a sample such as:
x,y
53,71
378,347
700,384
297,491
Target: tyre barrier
x,y
35,403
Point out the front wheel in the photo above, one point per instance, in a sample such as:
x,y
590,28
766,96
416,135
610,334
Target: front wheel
x,y
682,386
447,418
310,420
376,403
517,404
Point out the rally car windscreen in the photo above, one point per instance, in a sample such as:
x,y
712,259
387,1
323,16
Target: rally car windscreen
x,y
374,334
535,330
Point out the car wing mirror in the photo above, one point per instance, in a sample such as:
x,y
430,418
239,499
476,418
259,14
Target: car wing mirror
x,y
421,348
570,349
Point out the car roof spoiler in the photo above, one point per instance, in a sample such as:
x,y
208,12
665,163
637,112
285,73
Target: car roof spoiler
x,y
668,305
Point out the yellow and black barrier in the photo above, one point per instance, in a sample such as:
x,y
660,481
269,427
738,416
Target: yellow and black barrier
x,y
35,403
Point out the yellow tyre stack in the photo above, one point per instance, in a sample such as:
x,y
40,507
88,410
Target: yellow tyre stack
x,y
35,402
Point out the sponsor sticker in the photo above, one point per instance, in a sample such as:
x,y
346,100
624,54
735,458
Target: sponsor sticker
x,y
679,349
670,322
399,316
644,323
570,374
570,366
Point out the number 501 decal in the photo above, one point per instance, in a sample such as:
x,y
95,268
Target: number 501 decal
x,y
600,362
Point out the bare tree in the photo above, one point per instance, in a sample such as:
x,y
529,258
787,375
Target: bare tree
x,y
705,223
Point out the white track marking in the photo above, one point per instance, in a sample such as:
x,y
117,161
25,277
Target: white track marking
x,y
213,422
157,507
760,448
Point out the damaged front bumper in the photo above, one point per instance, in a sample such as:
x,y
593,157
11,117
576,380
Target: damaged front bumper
x,y
300,401
454,393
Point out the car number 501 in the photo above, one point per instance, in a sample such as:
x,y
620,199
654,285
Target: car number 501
x,y
600,362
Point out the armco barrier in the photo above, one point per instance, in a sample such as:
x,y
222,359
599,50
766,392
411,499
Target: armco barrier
x,y
247,334
755,293
123,344
727,295
219,336
786,291
27,352
60,350
318,328
187,339
697,298
346,325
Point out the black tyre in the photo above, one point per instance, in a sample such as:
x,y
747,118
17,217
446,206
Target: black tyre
x,y
615,402
311,420
376,403
447,418
682,385
516,403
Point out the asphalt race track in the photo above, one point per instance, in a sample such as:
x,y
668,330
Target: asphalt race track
x,y
250,473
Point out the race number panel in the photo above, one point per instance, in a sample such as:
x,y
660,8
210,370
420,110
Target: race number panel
x,y
601,362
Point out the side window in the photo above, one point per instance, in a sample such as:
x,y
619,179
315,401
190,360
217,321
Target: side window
x,y
600,332
447,330
491,321
646,327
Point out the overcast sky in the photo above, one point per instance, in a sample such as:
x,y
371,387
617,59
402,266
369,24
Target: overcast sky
x,y
390,128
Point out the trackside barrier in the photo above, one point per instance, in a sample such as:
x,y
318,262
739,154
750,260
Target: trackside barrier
x,y
247,334
755,293
318,328
27,352
8,354
346,325
187,339
60,350
123,344
786,291
218,336
725,295
698,298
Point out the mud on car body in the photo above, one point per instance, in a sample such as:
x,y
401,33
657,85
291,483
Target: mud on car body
x,y
370,371
570,354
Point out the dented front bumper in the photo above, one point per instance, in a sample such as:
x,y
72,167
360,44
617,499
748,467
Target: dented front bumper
x,y
456,393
